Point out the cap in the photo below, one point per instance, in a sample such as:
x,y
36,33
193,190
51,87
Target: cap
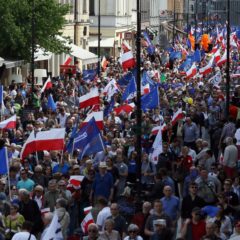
x,y
102,165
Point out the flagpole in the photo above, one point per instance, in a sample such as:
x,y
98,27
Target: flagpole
x,y
36,154
139,111
8,173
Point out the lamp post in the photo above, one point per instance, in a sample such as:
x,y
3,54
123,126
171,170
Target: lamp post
x,y
33,47
174,20
99,38
139,111
228,61
196,12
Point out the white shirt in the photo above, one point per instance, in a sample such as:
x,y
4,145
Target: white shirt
x,y
23,236
38,201
102,216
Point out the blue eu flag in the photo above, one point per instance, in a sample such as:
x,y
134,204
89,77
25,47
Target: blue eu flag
x,y
150,101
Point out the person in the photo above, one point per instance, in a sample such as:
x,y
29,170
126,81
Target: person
x,y
210,232
230,157
171,204
47,219
133,233
191,201
161,231
38,196
104,212
103,184
30,211
157,213
25,182
92,232
109,232
120,223
63,215
236,233
25,233
13,222
190,133
194,228
232,197
156,191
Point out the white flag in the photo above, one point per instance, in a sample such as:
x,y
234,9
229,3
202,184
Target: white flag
x,y
157,147
216,79
54,231
87,221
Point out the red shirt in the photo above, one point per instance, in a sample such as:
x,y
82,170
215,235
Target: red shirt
x,y
187,162
198,230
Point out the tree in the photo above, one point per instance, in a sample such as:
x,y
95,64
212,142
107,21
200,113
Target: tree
x,y
16,27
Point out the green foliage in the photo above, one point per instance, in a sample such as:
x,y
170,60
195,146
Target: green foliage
x,y
16,27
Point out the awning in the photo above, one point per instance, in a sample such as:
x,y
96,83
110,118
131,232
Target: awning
x,y
41,55
1,61
85,56
105,43
12,63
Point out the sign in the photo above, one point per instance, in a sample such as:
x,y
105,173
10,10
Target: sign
x,y
128,36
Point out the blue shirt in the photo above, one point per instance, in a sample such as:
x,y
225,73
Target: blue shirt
x,y
102,185
61,169
28,184
171,206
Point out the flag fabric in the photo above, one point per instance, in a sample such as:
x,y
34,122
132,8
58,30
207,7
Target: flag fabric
x,y
197,55
178,115
54,230
47,85
156,147
216,79
125,46
109,108
223,59
155,130
127,108
150,46
208,68
175,55
186,65
98,116
76,180
1,94
130,90
125,79
89,75
217,56
86,210
104,63
3,161
9,123
44,140
146,79
150,101
192,71
214,50
88,140
145,89
51,104
86,222
110,89
211,211
128,61
67,61
89,99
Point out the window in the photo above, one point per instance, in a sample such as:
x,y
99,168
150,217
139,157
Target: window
x,y
84,6
91,7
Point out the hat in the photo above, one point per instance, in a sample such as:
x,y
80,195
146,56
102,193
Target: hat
x,y
160,222
102,165
76,166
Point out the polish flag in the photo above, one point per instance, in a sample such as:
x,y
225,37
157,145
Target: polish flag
x,y
126,47
214,50
145,89
86,222
157,128
76,180
9,123
98,118
208,68
178,115
235,75
67,61
104,63
125,108
223,59
128,60
219,36
89,99
47,85
44,140
111,88
192,71
86,210
217,56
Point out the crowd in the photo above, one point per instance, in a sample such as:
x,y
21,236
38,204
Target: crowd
x,y
191,191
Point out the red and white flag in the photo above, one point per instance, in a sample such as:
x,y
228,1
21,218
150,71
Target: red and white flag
x,y
156,129
214,50
44,140
178,115
217,56
128,108
157,147
98,119
223,59
86,210
104,63
86,222
125,46
76,180
208,68
89,99
110,89
67,61
128,61
145,89
47,85
192,71
9,123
